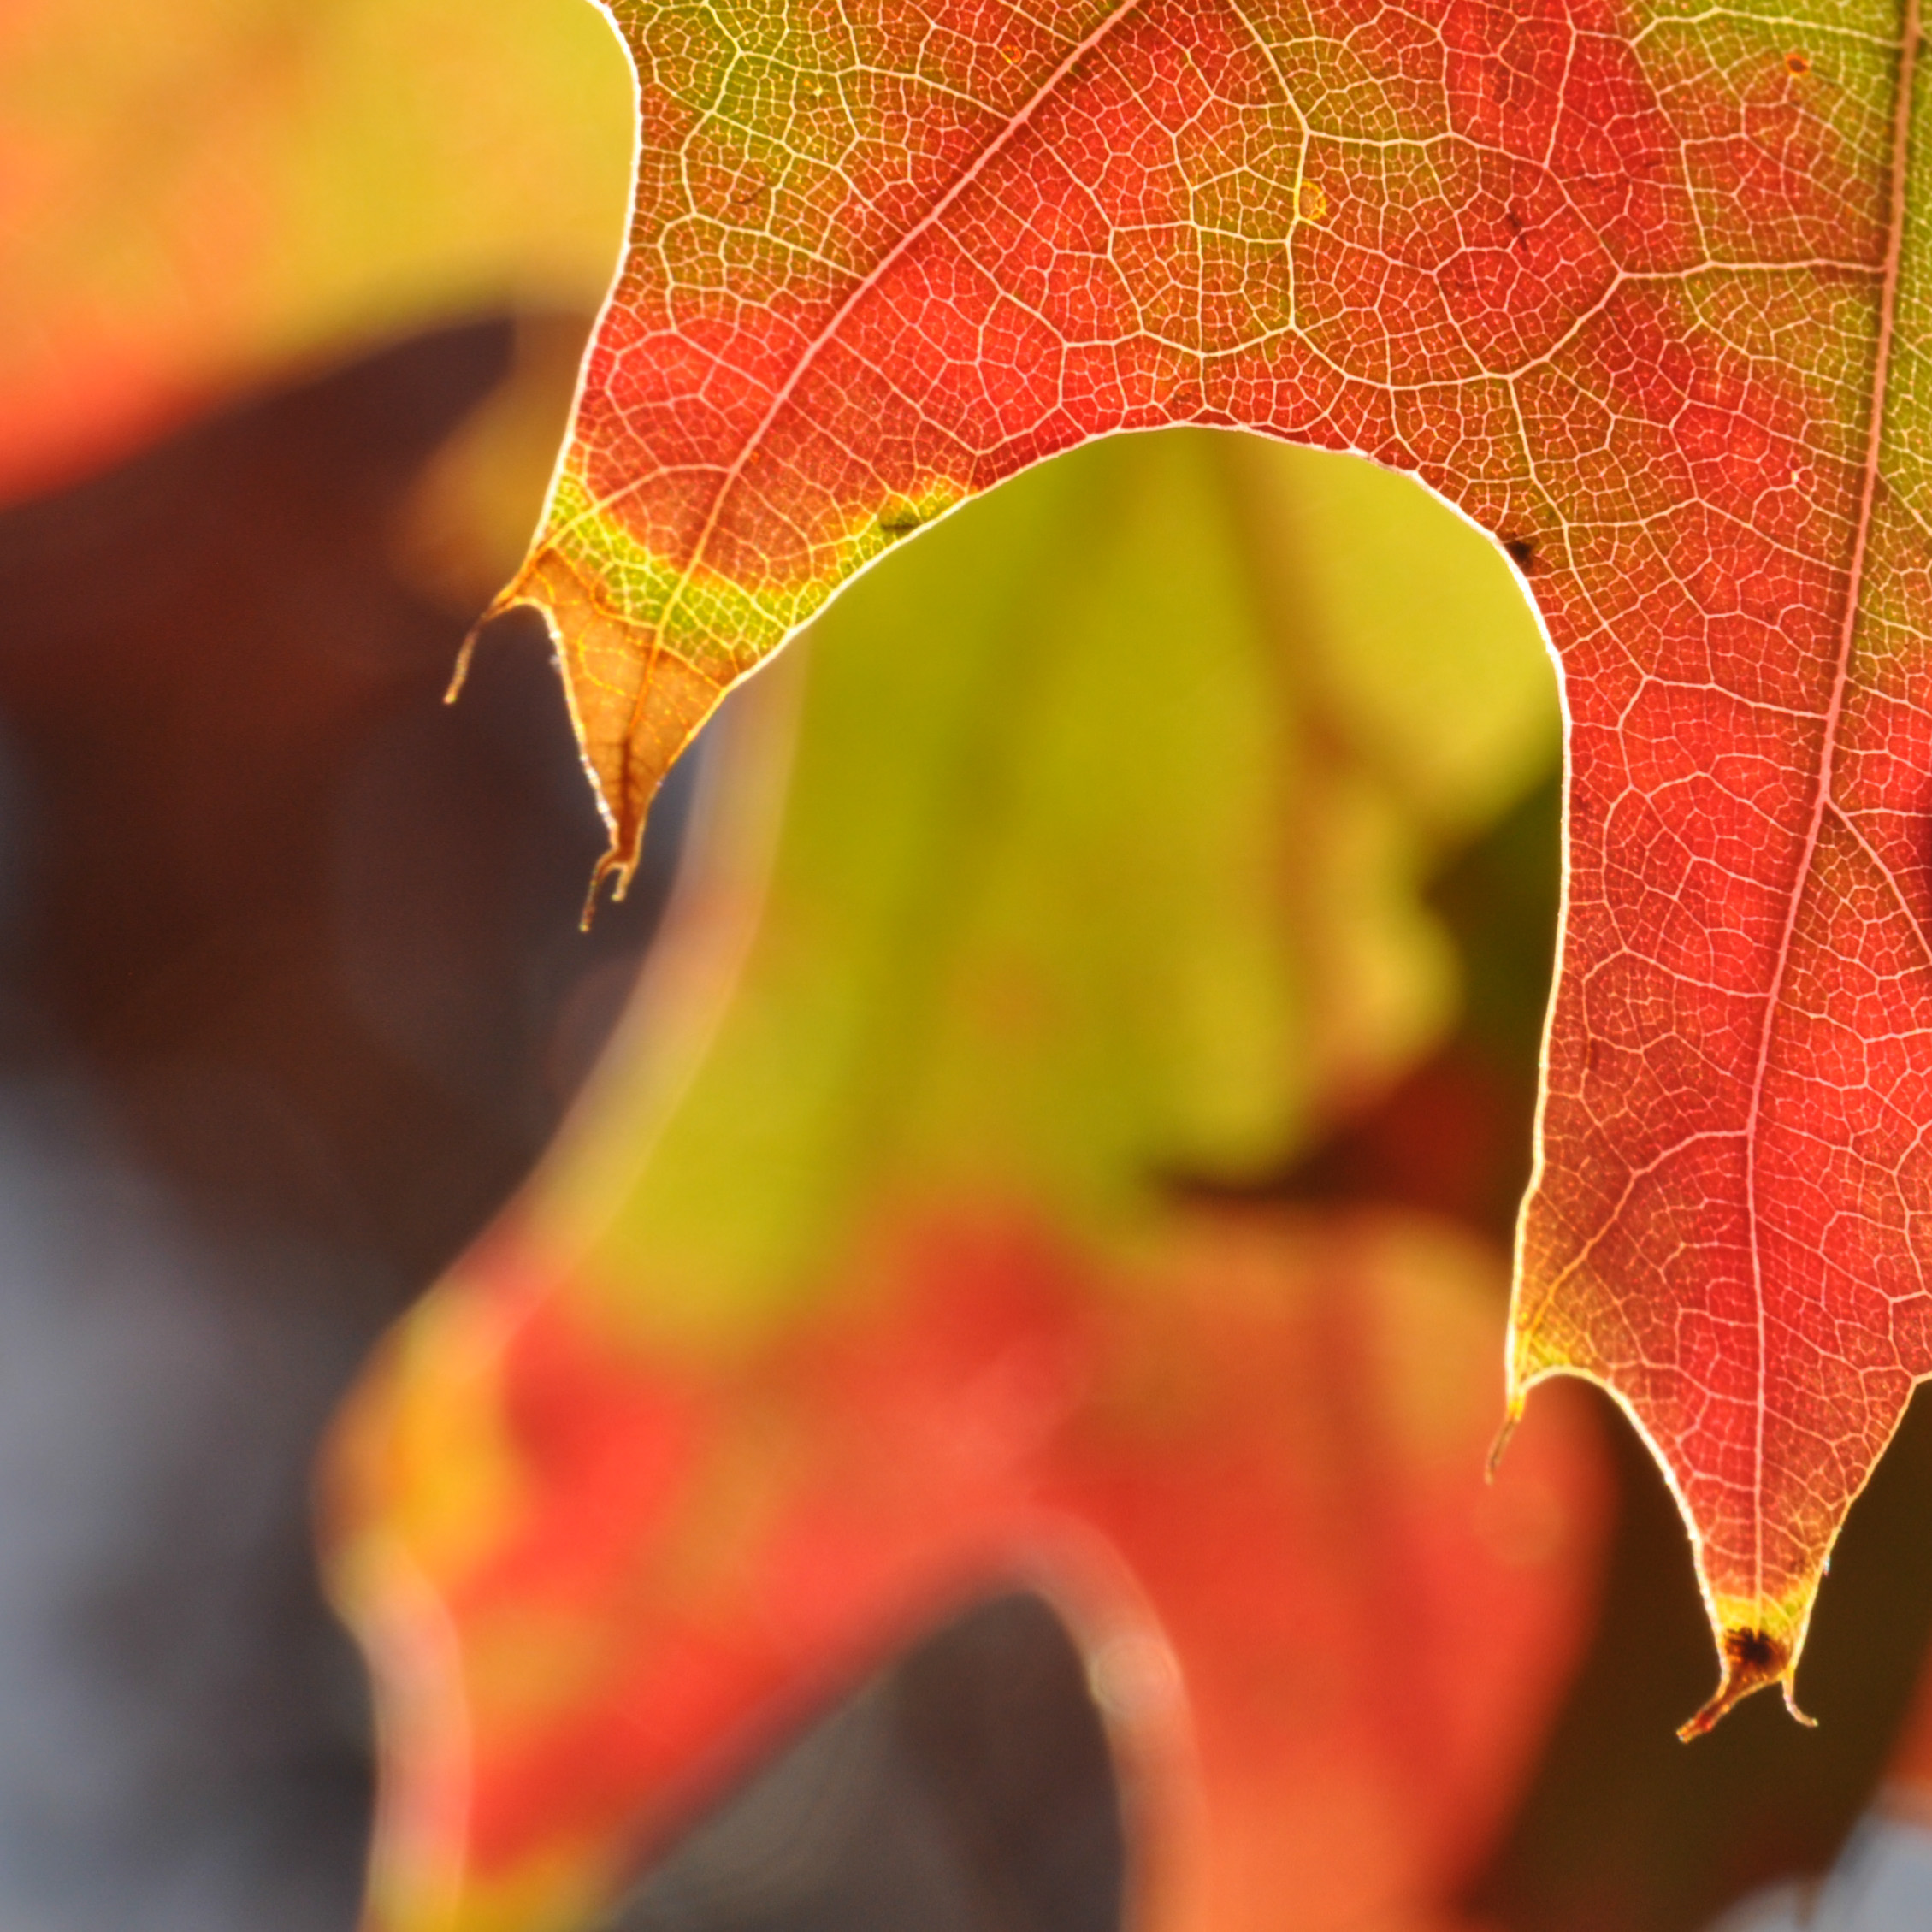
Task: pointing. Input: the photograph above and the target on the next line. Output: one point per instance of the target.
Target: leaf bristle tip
(1754, 1660)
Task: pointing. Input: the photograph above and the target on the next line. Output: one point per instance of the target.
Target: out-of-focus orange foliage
(196, 195)
(1249, 1471)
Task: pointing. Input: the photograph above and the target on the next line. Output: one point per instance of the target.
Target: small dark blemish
(1798, 62)
(1753, 1650)
(1522, 552)
(900, 522)
(1516, 224)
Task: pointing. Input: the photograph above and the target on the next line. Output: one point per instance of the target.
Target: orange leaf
(1642, 294)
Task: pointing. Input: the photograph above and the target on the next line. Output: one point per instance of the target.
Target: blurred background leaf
(198, 197)
(873, 1290)
(1103, 857)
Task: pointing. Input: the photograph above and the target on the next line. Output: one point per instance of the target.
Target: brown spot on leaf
(1753, 1650)
(1753, 1660)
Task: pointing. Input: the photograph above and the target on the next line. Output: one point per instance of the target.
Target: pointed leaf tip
(619, 863)
(1753, 1660)
(459, 672)
(1511, 1416)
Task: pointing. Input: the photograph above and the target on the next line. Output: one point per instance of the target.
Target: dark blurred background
(292, 993)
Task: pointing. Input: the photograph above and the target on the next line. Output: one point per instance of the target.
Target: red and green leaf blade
(1641, 293)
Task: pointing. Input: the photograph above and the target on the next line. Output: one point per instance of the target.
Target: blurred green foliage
(1103, 857)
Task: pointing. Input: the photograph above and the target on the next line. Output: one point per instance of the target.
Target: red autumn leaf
(1641, 294)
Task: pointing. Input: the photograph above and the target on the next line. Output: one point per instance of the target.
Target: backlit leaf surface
(857, 1294)
(1641, 289)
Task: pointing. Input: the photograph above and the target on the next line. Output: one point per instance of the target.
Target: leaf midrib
(1825, 778)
